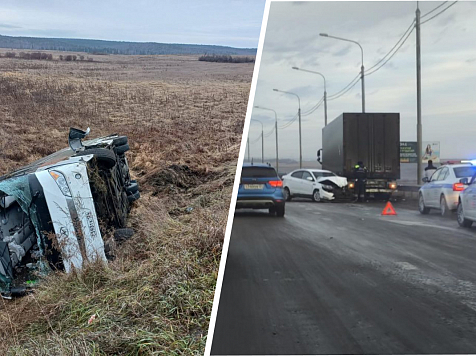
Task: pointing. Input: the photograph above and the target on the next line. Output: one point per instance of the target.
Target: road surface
(340, 278)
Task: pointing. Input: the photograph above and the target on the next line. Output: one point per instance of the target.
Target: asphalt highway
(334, 278)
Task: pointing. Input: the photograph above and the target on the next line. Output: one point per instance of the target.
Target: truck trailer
(374, 139)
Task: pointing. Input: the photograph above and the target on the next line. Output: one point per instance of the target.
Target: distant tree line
(225, 59)
(46, 56)
(116, 47)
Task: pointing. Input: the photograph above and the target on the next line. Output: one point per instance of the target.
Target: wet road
(341, 278)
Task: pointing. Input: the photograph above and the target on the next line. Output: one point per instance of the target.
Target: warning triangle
(389, 210)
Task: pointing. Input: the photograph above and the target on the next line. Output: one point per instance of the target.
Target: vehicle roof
(312, 170)
(457, 165)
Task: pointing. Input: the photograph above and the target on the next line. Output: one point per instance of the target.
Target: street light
(262, 140)
(299, 114)
(276, 129)
(361, 68)
(325, 90)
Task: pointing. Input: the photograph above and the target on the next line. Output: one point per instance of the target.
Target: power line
(436, 8)
(349, 86)
(329, 97)
(396, 44)
(289, 123)
(314, 109)
(269, 133)
(439, 13)
(389, 58)
(345, 91)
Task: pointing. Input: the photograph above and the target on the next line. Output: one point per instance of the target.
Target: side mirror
(310, 179)
(425, 180)
(464, 181)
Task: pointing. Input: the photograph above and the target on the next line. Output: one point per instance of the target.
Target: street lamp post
(362, 75)
(325, 90)
(299, 114)
(248, 142)
(276, 129)
(262, 140)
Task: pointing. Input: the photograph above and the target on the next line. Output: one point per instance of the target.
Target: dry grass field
(184, 120)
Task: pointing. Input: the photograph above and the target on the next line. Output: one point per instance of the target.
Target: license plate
(254, 186)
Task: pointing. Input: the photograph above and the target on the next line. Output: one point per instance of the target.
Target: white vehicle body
(48, 208)
(467, 204)
(443, 189)
(74, 217)
(316, 184)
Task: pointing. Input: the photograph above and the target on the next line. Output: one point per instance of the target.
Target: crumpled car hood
(341, 182)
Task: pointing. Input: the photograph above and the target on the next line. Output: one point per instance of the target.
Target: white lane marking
(406, 265)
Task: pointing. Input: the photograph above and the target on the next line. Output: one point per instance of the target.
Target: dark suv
(260, 188)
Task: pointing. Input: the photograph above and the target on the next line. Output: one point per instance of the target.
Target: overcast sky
(235, 23)
(448, 47)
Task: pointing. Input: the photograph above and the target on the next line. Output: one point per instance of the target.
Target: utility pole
(418, 68)
(276, 129)
(300, 141)
(262, 145)
(248, 142)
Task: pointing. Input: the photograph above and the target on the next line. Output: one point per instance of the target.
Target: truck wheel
(103, 156)
(287, 194)
(316, 196)
(280, 211)
(460, 217)
(421, 205)
(445, 211)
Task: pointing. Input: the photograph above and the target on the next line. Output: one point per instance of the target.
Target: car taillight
(458, 187)
(276, 183)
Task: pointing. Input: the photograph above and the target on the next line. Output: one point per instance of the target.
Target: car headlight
(61, 182)
(327, 187)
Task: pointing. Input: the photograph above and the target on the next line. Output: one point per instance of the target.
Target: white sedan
(443, 189)
(467, 203)
(316, 184)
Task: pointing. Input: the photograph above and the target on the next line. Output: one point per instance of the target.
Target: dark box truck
(374, 139)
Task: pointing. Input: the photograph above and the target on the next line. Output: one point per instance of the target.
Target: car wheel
(120, 150)
(133, 197)
(132, 188)
(421, 205)
(280, 211)
(445, 211)
(104, 156)
(287, 194)
(316, 196)
(460, 217)
(272, 211)
(119, 141)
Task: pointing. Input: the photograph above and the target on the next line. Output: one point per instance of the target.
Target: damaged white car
(316, 184)
(53, 212)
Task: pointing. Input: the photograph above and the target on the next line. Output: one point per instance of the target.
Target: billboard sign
(430, 150)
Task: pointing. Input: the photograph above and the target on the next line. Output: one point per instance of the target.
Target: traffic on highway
(353, 235)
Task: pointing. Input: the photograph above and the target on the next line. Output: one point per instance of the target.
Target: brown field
(184, 120)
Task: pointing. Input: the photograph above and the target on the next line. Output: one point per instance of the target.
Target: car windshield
(323, 174)
(462, 172)
(258, 172)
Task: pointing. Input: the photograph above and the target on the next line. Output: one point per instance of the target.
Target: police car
(442, 190)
